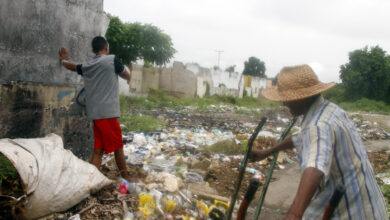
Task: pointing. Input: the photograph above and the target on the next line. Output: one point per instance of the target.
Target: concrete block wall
(178, 81)
(38, 95)
(150, 79)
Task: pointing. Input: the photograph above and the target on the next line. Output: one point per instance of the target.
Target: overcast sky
(279, 32)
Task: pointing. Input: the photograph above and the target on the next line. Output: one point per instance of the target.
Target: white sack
(53, 178)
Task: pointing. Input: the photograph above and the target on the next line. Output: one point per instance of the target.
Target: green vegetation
(228, 147)
(7, 170)
(10, 183)
(367, 75)
(254, 67)
(157, 98)
(365, 82)
(133, 41)
(386, 194)
(135, 122)
(338, 95)
(231, 69)
(366, 105)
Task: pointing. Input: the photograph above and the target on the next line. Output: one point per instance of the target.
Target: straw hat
(294, 83)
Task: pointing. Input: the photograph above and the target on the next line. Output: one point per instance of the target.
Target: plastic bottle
(123, 185)
(128, 216)
(128, 187)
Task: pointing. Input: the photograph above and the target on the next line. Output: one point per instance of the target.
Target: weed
(134, 122)
(158, 99)
(366, 105)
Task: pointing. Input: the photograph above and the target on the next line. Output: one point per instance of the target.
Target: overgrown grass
(366, 105)
(227, 147)
(386, 194)
(135, 122)
(157, 98)
(338, 95)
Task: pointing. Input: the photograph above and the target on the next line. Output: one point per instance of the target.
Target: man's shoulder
(325, 114)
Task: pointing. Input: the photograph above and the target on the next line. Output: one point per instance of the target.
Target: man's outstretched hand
(63, 54)
(257, 155)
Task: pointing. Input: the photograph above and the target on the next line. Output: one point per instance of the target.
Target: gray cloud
(279, 32)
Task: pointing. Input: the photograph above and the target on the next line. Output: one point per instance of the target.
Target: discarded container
(128, 216)
(75, 217)
(170, 206)
(128, 187)
(252, 171)
(123, 188)
(192, 177)
(146, 205)
(139, 139)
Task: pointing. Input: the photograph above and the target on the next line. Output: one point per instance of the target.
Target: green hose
(269, 174)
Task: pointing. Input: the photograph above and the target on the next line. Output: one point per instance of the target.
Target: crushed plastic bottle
(252, 171)
(75, 217)
(193, 177)
(128, 216)
(123, 186)
(128, 187)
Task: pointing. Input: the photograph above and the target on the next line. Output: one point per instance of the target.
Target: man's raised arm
(65, 60)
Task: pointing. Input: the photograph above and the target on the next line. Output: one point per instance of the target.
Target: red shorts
(107, 134)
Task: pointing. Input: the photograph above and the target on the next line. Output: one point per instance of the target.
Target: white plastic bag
(53, 178)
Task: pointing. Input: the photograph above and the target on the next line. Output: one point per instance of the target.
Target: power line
(219, 56)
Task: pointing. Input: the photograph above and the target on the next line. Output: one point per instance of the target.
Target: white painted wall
(257, 85)
(230, 80)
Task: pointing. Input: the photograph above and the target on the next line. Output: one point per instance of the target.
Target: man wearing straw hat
(330, 151)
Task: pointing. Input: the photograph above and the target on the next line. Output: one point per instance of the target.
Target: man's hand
(63, 54)
(127, 73)
(129, 79)
(257, 155)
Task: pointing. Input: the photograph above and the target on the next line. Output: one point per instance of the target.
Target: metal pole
(219, 55)
(269, 174)
(243, 165)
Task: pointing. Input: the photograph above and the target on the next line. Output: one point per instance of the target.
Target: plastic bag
(53, 179)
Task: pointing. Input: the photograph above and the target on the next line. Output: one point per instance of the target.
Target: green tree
(231, 69)
(254, 67)
(367, 74)
(133, 41)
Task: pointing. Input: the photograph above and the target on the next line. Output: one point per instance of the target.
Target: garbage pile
(369, 130)
(216, 117)
(179, 179)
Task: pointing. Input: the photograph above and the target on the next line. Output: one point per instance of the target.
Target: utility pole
(219, 55)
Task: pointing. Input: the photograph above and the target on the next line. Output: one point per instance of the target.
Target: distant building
(192, 80)
(252, 85)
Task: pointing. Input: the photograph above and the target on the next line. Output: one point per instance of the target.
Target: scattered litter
(75, 217)
(192, 177)
(385, 177)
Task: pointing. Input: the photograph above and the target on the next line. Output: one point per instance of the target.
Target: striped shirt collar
(308, 115)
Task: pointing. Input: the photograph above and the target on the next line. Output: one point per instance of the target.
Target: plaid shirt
(329, 141)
